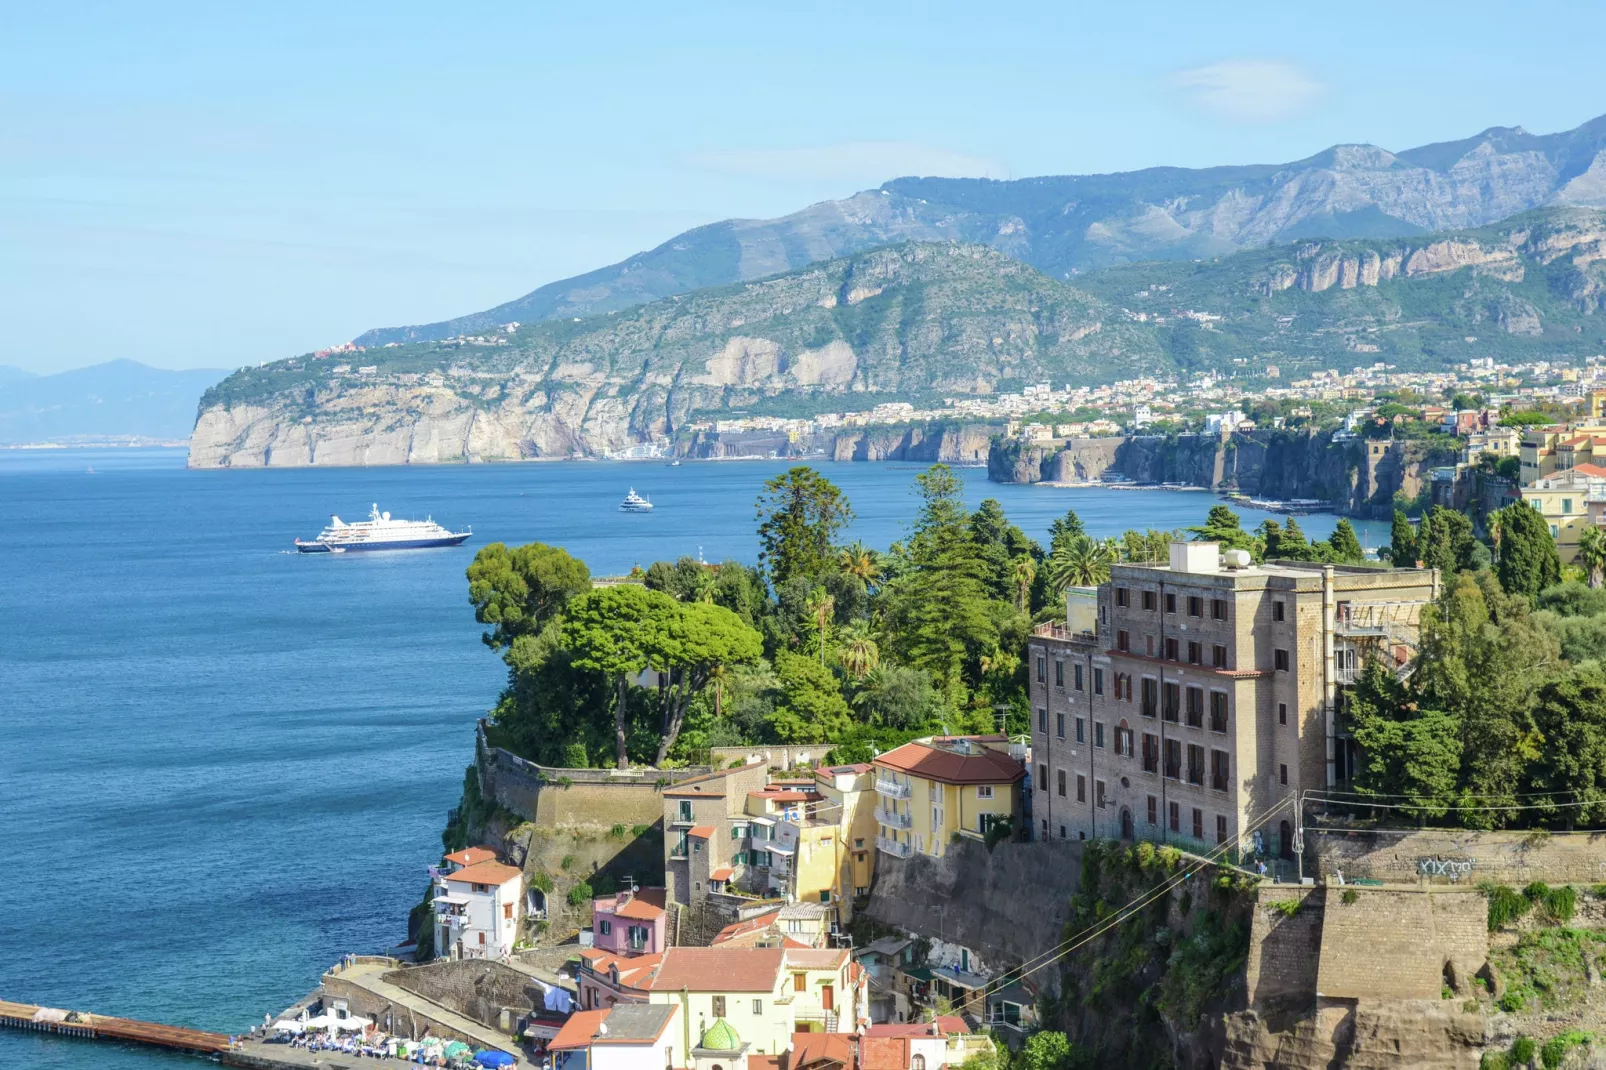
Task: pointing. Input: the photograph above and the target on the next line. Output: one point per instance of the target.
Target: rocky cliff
(1356, 477)
(1066, 224)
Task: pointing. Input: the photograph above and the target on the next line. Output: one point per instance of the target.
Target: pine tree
(1402, 542)
(1344, 547)
(1528, 559)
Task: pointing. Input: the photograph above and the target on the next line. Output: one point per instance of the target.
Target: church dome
(721, 1037)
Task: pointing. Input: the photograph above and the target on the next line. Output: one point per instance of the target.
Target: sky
(221, 184)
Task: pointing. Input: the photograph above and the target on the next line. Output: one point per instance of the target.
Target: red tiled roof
(469, 856)
(763, 1062)
(818, 958)
(702, 832)
(792, 942)
(812, 1049)
(578, 1030)
(646, 905)
(883, 1053)
(744, 928)
(486, 873)
(723, 873)
(1590, 469)
(948, 767)
(633, 972)
(718, 969)
(947, 1024)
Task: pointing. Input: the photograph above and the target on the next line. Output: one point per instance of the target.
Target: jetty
(100, 1027)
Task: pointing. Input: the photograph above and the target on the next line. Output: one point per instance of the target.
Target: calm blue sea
(223, 765)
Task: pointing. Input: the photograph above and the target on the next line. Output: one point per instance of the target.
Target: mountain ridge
(116, 399)
(1064, 225)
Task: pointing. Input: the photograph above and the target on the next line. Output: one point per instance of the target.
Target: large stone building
(1181, 702)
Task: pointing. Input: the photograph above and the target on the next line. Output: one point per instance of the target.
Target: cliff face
(966, 444)
(1359, 477)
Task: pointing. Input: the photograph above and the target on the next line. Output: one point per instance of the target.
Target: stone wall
(473, 988)
(773, 755)
(1357, 1035)
(1284, 951)
(1006, 905)
(1514, 858)
(1401, 943)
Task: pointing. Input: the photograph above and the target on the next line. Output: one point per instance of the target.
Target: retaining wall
(1401, 943)
(1284, 951)
(1514, 858)
(476, 989)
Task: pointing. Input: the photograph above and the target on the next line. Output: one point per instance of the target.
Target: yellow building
(1570, 501)
(1503, 442)
(848, 793)
(1557, 447)
(932, 790)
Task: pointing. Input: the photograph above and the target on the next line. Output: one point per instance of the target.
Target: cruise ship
(380, 532)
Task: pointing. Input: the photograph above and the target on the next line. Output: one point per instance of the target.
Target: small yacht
(635, 503)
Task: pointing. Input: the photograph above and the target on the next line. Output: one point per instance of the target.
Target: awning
(454, 900)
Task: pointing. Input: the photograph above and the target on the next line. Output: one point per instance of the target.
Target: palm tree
(1025, 576)
(821, 606)
(858, 653)
(1592, 554)
(719, 678)
(1081, 561)
(859, 560)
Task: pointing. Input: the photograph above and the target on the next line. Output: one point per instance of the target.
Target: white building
(478, 907)
(628, 1036)
(1223, 423)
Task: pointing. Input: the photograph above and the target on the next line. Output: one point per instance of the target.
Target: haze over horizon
(203, 188)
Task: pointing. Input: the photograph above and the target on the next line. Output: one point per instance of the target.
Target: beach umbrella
(456, 1050)
(493, 1058)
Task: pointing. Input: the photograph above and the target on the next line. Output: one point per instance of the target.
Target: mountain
(1068, 224)
(917, 321)
(118, 399)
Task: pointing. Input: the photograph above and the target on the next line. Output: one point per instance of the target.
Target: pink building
(630, 923)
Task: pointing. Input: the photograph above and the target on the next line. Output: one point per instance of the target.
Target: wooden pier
(99, 1027)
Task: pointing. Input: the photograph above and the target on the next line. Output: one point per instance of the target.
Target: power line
(1457, 808)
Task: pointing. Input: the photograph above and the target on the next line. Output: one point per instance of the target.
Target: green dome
(721, 1037)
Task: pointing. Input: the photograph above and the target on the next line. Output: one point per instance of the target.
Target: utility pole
(1299, 836)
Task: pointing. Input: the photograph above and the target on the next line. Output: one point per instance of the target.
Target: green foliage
(1528, 560)
(567, 863)
(1350, 897)
(543, 882)
(811, 708)
(580, 894)
(1344, 547)
(1526, 418)
(1224, 526)
(519, 591)
(1286, 907)
(617, 831)
(1445, 540)
(1494, 1060)
(799, 514)
(1522, 1050)
(1505, 905)
(1555, 1050)
(1047, 1050)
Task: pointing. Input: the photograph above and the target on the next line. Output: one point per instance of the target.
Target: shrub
(618, 832)
(580, 894)
(640, 830)
(1514, 1000)
(1522, 1050)
(1560, 903)
(1287, 907)
(1554, 1051)
(1536, 892)
(1350, 897)
(543, 881)
(1505, 905)
(1494, 1060)
(567, 863)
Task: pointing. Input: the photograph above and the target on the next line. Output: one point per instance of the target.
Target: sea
(223, 764)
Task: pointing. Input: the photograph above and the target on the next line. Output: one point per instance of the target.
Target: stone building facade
(1204, 692)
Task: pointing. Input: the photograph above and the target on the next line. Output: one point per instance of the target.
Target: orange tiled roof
(723, 873)
(469, 856)
(986, 766)
(702, 832)
(646, 905)
(737, 930)
(578, 1030)
(486, 873)
(883, 1053)
(823, 1048)
(718, 969)
(946, 1024)
(818, 958)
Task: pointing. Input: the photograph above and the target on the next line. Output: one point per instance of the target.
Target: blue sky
(211, 186)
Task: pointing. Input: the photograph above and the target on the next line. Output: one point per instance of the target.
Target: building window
(1154, 810)
(1151, 753)
(1173, 812)
(800, 983)
(719, 1005)
(1196, 764)
(1278, 609)
(1059, 674)
(1098, 681)
(1098, 734)
(1171, 648)
(1198, 823)
(1151, 695)
(1279, 660)
(1195, 707)
(1218, 656)
(685, 810)
(1554, 531)
(1059, 725)
(758, 1007)
(1076, 676)
(1282, 774)
(1042, 778)
(1170, 602)
(1193, 653)
(1195, 606)
(1042, 719)
(1218, 609)
(1060, 774)
(605, 928)
(1062, 832)
(1173, 759)
(1221, 828)
(1041, 672)
(1098, 794)
(1219, 771)
(1282, 713)
(1081, 788)
(1123, 597)
(984, 791)
(507, 911)
(1045, 836)
(1173, 696)
(1218, 711)
(1123, 742)
(1148, 600)
(1123, 640)
(1566, 506)
(1081, 730)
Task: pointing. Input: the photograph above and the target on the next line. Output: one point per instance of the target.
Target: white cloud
(1249, 90)
(865, 162)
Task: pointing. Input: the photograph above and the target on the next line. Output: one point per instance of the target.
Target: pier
(99, 1027)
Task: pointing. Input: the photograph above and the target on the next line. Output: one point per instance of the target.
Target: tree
(1224, 526)
(1293, 546)
(1044, 1051)
(1445, 540)
(896, 696)
(1570, 717)
(1528, 559)
(1402, 542)
(822, 608)
(685, 580)
(859, 560)
(1271, 538)
(1024, 572)
(1344, 547)
(685, 643)
(811, 708)
(520, 590)
(1592, 554)
(1411, 753)
(799, 513)
(605, 631)
(858, 653)
(1080, 561)
(1066, 527)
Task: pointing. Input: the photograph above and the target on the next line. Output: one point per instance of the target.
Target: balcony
(892, 789)
(892, 847)
(893, 819)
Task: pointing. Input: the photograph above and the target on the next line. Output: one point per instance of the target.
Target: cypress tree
(1346, 548)
(1402, 542)
(1528, 559)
